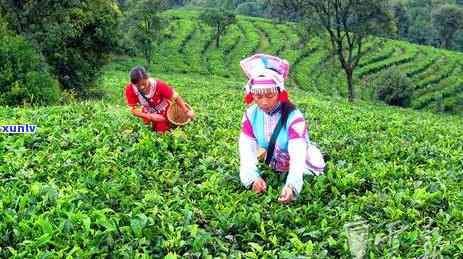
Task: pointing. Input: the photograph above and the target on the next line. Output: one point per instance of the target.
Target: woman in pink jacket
(275, 129)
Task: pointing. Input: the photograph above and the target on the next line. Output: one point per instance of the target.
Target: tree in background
(76, 37)
(421, 29)
(447, 21)
(219, 19)
(347, 24)
(145, 24)
(24, 76)
(252, 8)
(413, 18)
(402, 18)
(284, 10)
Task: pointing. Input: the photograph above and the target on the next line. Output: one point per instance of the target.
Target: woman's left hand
(286, 195)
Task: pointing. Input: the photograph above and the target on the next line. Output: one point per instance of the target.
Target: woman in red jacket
(154, 96)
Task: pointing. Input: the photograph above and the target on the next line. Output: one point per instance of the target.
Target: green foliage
(123, 4)
(76, 37)
(447, 20)
(428, 22)
(24, 75)
(408, 55)
(393, 87)
(164, 58)
(144, 24)
(248, 46)
(95, 182)
(253, 8)
(304, 31)
(3, 27)
(402, 18)
(216, 57)
(421, 30)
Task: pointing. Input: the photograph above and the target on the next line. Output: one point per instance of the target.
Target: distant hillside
(189, 49)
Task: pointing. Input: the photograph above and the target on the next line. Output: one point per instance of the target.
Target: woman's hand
(138, 113)
(157, 117)
(286, 195)
(133, 110)
(148, 116)
(259, 185)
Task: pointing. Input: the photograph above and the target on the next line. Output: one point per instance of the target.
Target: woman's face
(143, 84)
(266, 102)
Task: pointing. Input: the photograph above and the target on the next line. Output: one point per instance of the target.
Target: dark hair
(137, 74)
(286, 109)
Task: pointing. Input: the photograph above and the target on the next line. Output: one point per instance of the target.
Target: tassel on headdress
(283, 96)
(248, 98)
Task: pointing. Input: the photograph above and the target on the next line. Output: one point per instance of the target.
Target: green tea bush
(419, 67)
(438, 97)
(24, 76)
(373, 57)
(440, 87)
(220, 58)
(290, 52)
(167, 56)
(406, 55)
(275, 38)
(393, 87)
(282, 31)
(96, 182)
(252, 40)
(440, 73)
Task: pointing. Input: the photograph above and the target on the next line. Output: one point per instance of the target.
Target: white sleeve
(297, 149)
(248, 160)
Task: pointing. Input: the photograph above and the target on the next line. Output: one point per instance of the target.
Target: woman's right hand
(259, 185)
(133, 110)
(157, 118)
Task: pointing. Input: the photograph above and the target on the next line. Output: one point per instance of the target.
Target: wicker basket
(176, 116)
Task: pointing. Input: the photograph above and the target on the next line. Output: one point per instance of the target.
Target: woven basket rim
(174, 122)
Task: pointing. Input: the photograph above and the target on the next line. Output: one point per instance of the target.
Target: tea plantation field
(189, 48)
(95, 182)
